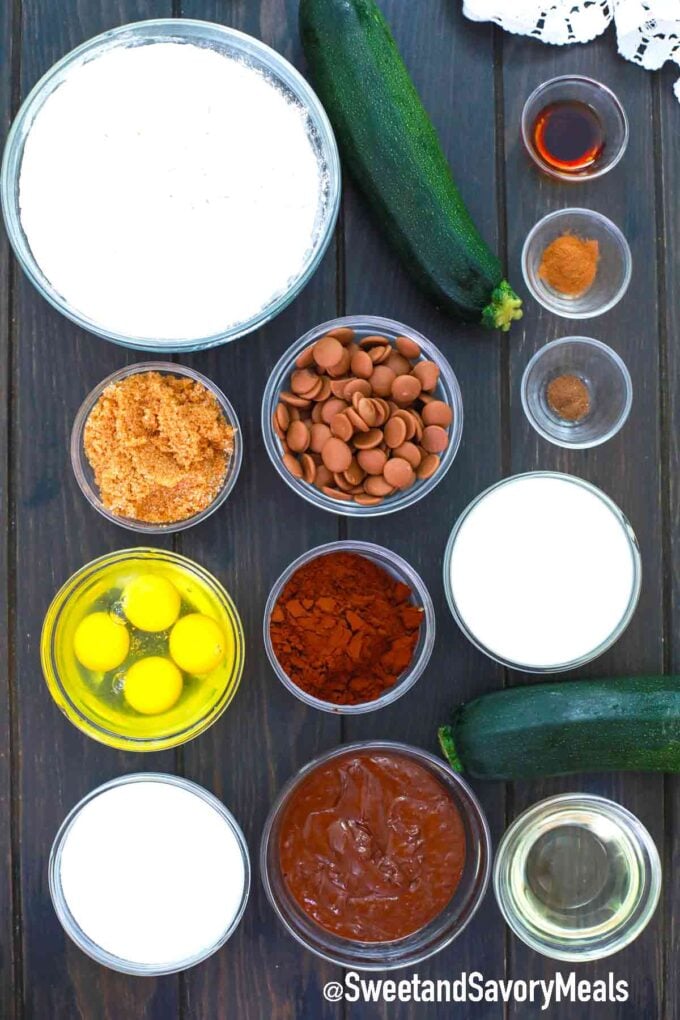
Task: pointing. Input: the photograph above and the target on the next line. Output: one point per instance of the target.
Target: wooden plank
(10, 959)
(57, 532)
(447, 57)
(266, 735)
(667, 156)
(627, 467)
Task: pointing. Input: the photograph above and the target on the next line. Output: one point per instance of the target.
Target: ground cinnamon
(343, 629)
(569, 264)
(569, 397)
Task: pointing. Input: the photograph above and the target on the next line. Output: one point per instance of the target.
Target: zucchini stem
(448, 746)
(503, 308)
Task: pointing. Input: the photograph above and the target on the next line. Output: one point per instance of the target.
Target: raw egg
(152, 685)
(151, 602)
(101, 642)
(197, 643)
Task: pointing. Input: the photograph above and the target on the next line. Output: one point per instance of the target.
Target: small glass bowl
(636, 585)
(85, 475)
(71, 926)
(61, 685)
(612, 924)
(609, 385)
(223, 40)
(405, 952)
(612, 116)
(447, 390)
(614, 267)
(401, 571)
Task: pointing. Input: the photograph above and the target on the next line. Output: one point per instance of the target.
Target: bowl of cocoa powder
(156, 447)
(349, 627)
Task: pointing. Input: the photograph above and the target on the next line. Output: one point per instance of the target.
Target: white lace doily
(647, 31)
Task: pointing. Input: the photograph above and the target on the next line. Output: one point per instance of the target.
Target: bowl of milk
(542, 572)
(170, 185)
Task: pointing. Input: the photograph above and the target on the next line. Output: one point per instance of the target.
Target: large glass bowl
(71, 926)
(435, 936)
(447, 390)
(227, 41)
(75, 697)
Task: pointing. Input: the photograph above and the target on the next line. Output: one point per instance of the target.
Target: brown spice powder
(569, 264)
(569, 397)
(159, 446)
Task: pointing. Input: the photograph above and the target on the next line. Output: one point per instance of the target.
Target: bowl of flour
(170, 185)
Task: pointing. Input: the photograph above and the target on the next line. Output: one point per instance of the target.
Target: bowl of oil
(142, 649)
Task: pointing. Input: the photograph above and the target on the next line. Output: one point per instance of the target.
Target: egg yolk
(197, 643)
(101, 642)
(152, 685)
(151, 603)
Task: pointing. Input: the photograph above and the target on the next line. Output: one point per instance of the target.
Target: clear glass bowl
(399, 569)
(405, 952)
(62, 686)
(606, 377)
(85, 475)
(578, 88)
(614, 884)
(202, 33)
(447, 390)
(70, 925)
(635, 587)
(614, 267)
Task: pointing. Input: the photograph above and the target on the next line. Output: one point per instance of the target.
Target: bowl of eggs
(142, 649)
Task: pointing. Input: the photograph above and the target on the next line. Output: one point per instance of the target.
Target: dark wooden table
(473, 81)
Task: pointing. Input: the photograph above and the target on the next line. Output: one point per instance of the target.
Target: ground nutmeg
(343, 629)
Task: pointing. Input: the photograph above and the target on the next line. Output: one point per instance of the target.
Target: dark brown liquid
(568, 136)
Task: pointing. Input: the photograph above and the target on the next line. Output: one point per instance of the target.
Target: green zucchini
(627, 723)
(392, 150)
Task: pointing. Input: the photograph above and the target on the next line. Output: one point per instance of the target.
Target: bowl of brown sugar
(156, 447)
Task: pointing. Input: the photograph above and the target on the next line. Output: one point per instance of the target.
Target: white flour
(541, 571)
(152, 873)
(168, 191)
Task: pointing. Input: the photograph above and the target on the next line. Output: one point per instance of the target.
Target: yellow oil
(95, 701)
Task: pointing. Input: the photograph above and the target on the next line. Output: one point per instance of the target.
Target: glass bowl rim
(406, 573)
(445, 775)
(617, 105)
(71, 926)
(543, 297)
(616, 811)
(184, 29)
(420, 489)
(78, 457)
(616, 360)
(60, 693)
(635, 557)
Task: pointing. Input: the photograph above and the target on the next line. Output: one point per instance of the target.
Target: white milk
(152, 873)
(542, 571)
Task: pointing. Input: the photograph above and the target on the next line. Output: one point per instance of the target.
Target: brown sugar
(569, 264)
(569, 397)
(159, 446)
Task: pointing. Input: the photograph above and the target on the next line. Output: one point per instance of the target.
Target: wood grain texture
(56, 533)
(627, 467)
(667, 156)
(267, 734)
(9, 959)
(473, 81)
(376, 284)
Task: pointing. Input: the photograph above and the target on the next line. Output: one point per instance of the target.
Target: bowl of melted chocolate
(375, 855)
